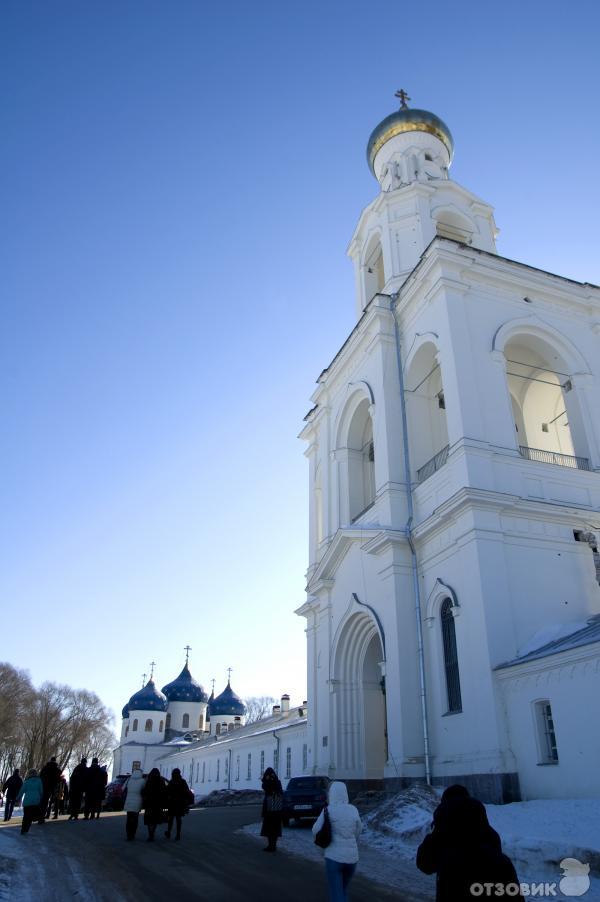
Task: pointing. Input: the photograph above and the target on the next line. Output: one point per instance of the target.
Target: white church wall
(570, 682)
(195, 711)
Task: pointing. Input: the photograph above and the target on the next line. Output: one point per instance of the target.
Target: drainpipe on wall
(413, 550)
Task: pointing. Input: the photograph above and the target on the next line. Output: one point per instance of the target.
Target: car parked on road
(304, 797)
(115, 793)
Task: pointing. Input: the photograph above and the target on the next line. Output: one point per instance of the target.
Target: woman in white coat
(133, 802)
(341, 855)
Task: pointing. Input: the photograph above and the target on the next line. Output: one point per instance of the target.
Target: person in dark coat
(49, 776)
(95, 788)
(59, 798)
(271, 809)
(77, 786)
(11, 787)
(154, 795)
(179, 799)
(463, 849)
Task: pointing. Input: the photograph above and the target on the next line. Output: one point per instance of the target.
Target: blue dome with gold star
(227, 703)
(408, 120)
(185, 689)
(149, 698)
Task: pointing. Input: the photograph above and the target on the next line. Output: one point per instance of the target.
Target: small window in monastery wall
(201, 722)
(148, 726)
(135, 726)
(185, 721)
(262, 763)
(276, 761)
(160, 726)
(237, 767)
(546, 735)
(168, 721)
(288, 762)
(218, 729)
(218, 769)
(203, 771)
(249, 772)
(304, 756)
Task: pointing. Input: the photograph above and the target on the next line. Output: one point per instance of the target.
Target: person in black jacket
(154, 795)
(96, 779)
(49, 775)
(11, 787)
(77, 787)
(463, 849)
(179, 799)
(271, 809)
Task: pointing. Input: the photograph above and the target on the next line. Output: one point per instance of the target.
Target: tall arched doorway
(360, 715)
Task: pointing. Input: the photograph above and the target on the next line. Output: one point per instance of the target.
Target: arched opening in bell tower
(426, 412)
(373, 269)
(360, 709)
(545, 405)
(361, 461)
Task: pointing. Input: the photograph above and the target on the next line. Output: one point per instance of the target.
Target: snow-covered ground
(537, 835)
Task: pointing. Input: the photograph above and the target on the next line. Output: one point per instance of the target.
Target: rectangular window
(276, 761)
(218, 769)
(203, 771)
(226, 767)
(249, 772)
(304, 756)
(546, 734)
(288, 762)
(262, 763)
(237, 767)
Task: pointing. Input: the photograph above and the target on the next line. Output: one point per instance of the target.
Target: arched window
(160, 726)
(185, 721)
(126, 730)
(374, 275)
(201, 722)
(218, 729)
(450, 657)
(135, 726)
(229, 727)
(168, 724)
(148, 726)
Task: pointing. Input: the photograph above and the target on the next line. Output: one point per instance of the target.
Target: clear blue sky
(179, 183)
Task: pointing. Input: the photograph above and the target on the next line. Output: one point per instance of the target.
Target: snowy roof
(278, 722)
(583, 634)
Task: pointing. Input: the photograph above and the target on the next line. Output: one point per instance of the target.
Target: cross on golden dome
(403, 98)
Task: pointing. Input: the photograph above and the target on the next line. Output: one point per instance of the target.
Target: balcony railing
(553, 457)
(432, 465)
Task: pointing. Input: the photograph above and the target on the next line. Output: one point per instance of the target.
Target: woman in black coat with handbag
(154, 795)
(179, 799)
(271, 809)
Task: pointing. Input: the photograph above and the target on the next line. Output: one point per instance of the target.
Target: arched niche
(452, 223)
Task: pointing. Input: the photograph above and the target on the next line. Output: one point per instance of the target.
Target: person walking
(154, 795)
(49, 775)
(133, 802)
(271, 809)
(77, 787)
(463, 849)
(341, 855)
(58, 800)
(11, 787)
(179, 799)
(94, 790)
(32, 794)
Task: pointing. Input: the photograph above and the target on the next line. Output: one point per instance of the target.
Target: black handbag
(323, 836)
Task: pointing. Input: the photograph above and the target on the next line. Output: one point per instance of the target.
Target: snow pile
(220, 797)
(401, 822)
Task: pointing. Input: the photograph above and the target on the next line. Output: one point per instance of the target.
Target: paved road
(90, 861)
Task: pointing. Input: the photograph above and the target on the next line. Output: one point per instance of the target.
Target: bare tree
(53, 720)
(258, 707)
